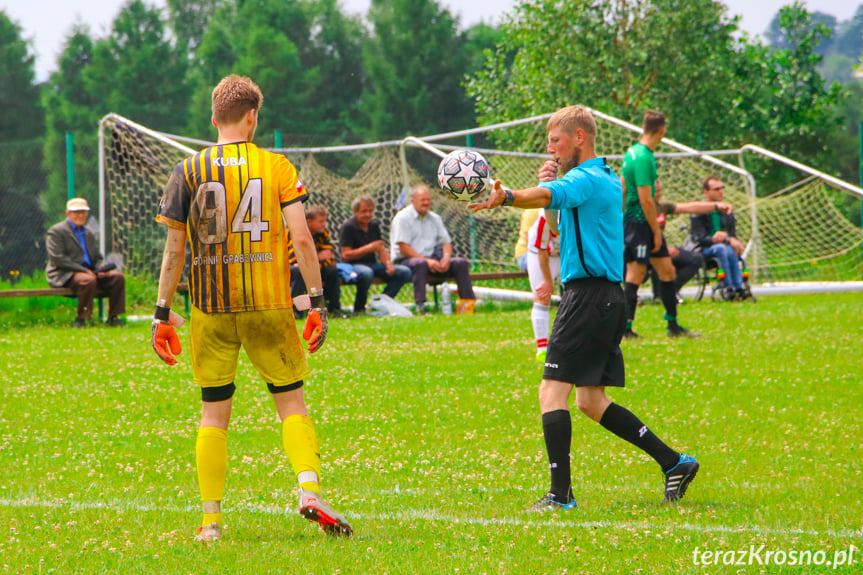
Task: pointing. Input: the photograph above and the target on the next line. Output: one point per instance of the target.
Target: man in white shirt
(419, 240)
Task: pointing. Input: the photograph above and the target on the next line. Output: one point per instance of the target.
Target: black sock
(630, 294)
(624, 424)
(669, 300)
(557, 429)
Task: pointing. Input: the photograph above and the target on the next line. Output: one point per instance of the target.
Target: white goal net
(802, 232)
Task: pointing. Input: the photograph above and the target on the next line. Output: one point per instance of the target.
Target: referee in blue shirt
(584, 347)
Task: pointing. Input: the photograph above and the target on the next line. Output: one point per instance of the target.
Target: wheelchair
(712, 275)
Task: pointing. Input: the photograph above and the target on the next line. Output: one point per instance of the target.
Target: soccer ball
(465, 175)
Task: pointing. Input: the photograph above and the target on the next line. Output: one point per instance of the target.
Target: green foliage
(777, 33)
(849, 39)
(718, 87)
(432, 446)
(795, 116)
(71, 107)
(189, 20)
(304, 54)
(618, 57)
(416, 62)
(21, 175)
(135, 71)
(21, 116)
(22, 227)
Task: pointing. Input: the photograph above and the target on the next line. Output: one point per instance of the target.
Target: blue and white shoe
(549, 502)
(678, 478)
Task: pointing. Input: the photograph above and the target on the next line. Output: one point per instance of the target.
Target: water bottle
(446, 300)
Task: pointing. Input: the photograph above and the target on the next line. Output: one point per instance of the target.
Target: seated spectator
(363, 247)
(74, 261)
(543, 267)
(715, 234)
(419, 240)
(686, 262)
(316, 218)
(528, 217)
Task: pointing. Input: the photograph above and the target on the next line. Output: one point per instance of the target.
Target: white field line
(431, 515)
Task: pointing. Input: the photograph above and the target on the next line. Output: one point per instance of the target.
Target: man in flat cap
(74, 261)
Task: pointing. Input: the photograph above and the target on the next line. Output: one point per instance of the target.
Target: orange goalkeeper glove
(165, 340)
(317, 324)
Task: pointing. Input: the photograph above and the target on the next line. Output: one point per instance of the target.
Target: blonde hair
(234, 97)
(572, 118)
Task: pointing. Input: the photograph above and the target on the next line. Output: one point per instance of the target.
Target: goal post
(805, 232)
(135, 163)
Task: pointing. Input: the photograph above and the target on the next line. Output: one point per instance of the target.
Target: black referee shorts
(638, 241)
(584, 347)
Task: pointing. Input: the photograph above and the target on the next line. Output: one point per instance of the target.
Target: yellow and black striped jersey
(322, 242)
(229, 198)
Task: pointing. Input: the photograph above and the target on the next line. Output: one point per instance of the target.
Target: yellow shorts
(269, 337)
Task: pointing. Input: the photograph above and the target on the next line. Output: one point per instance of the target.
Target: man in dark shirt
(715, 234)
(316, 218)
(686, 262)
(360, 241)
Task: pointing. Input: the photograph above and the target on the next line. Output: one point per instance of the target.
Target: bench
(182, 288)
(37, 292)
(474, 277)
(435, 281)
(56, 292)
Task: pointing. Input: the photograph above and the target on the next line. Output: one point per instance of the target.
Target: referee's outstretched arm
(526, 198)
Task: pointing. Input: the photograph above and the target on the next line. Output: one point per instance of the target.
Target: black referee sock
(669, 299)
(624, 424)
(557, 429)
(630, 293)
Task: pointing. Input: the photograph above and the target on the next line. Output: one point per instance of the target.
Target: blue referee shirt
(590, 201)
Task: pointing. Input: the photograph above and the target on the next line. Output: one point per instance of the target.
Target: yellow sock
(211, 456)
(301, 446)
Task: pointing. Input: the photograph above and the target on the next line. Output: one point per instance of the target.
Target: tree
(620, 57)
(480, 40)
(135, 71)
(20, 113)
(138, 71)
(304, 54)
(838, 68)
(849, 37)
(797, 115)
(337, 58)
(21, 176)
(416, 64)
(189, 20)
(687, 59)
(70, 108)
(776, 32)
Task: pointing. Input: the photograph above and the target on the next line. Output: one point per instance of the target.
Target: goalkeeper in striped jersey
(229, 202)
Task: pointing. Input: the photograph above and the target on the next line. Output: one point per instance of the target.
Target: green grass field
(432, 447)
